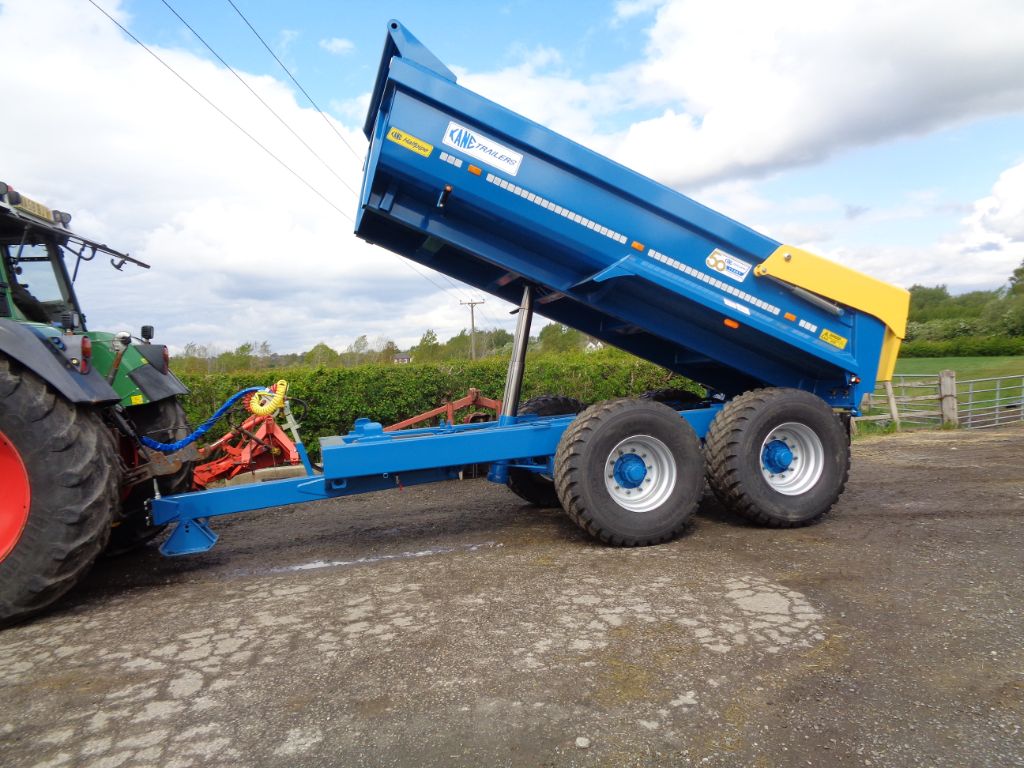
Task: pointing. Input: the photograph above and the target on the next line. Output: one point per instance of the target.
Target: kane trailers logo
(481, 148)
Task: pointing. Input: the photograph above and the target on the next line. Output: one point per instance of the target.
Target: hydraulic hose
(203, 428)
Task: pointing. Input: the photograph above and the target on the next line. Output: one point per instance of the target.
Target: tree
(926, 303)
(1017, 280)
(428, 350)
(557, 339)
(387, 353)
(322, 355)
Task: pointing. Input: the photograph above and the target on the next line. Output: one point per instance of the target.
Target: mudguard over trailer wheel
(60, 477)
(164, 421)
(778, 456)
(630, 472)
(533, 487)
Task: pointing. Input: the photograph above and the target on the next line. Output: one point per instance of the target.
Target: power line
(297, 84)
(252, 138)
(222, 113)
(259, 98)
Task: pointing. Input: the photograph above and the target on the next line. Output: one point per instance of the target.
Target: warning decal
(833, 338)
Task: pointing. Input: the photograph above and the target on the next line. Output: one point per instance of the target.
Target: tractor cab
(34, 283)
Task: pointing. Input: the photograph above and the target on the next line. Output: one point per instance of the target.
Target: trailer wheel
(630, 472)
(164, 421)
(533, 487)
(780, 457)
(60, 484)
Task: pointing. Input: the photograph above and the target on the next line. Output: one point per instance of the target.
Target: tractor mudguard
(21, 343)
(151, 379)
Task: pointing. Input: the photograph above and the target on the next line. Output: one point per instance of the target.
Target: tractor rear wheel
(165, 422)
(534, 487)
(60, 487)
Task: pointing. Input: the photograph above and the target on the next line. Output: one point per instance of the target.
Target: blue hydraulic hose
(202, 429)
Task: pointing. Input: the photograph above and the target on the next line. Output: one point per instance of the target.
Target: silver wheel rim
(792, 458)
(635, 489)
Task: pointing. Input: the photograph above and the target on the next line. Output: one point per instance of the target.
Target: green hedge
(391, 393)
(966, 346)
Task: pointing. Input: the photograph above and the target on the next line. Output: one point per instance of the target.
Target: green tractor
(74, 476)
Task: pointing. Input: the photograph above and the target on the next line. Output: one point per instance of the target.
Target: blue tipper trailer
(786, 343)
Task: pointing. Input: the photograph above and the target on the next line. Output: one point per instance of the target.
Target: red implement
(257, 448)
(472, 399)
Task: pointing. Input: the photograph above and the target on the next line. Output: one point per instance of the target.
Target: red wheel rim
(15, 498)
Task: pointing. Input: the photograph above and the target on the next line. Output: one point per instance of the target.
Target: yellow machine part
(259, 405)
(813, 273)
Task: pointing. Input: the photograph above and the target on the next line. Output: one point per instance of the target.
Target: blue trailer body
(477, 192)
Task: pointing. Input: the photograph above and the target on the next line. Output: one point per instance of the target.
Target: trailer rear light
(730, 323)
(475, 170)
(637, 246)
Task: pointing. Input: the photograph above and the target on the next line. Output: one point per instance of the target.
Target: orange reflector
(473, 169)
(730, 323)
(790, 316)
(637, 246)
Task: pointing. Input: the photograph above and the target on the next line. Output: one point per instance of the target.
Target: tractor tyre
(61, 477)
(778, 456)
(533, 487)
(165, 422)
(630, 472)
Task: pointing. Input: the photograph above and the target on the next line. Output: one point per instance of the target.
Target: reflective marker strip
(533, 197)
(451, 159)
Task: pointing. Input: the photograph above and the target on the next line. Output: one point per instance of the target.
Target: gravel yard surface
(450, 625)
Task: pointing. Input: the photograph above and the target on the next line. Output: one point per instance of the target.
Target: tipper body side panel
(475, 191)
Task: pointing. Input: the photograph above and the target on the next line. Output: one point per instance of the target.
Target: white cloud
(726, 90)
(239, 248)
(990, 244)
(1002, 213)
(792, 83)
(628, 9)
(337, 45)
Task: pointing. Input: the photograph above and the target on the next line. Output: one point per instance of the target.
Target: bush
(940, 330)
(968, 346)
(336, 397)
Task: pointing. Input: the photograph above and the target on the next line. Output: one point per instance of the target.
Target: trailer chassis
(369, 459)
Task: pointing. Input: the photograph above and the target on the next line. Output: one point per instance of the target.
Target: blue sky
(888, 138)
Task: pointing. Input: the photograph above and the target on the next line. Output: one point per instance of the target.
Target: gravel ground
(450, 625)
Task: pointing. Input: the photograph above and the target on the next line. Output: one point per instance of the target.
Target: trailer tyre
(64, 476)
(164, 421)
(630, 472)
(535, 488)
(780, 457)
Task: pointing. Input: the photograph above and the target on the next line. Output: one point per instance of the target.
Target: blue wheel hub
(630, 471)
(776, 457)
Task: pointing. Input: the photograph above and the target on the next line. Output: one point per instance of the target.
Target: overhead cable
(259, 98)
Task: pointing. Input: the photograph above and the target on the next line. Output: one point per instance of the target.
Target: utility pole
(472, 326)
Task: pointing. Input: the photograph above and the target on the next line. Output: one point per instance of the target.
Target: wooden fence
(939, 400)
